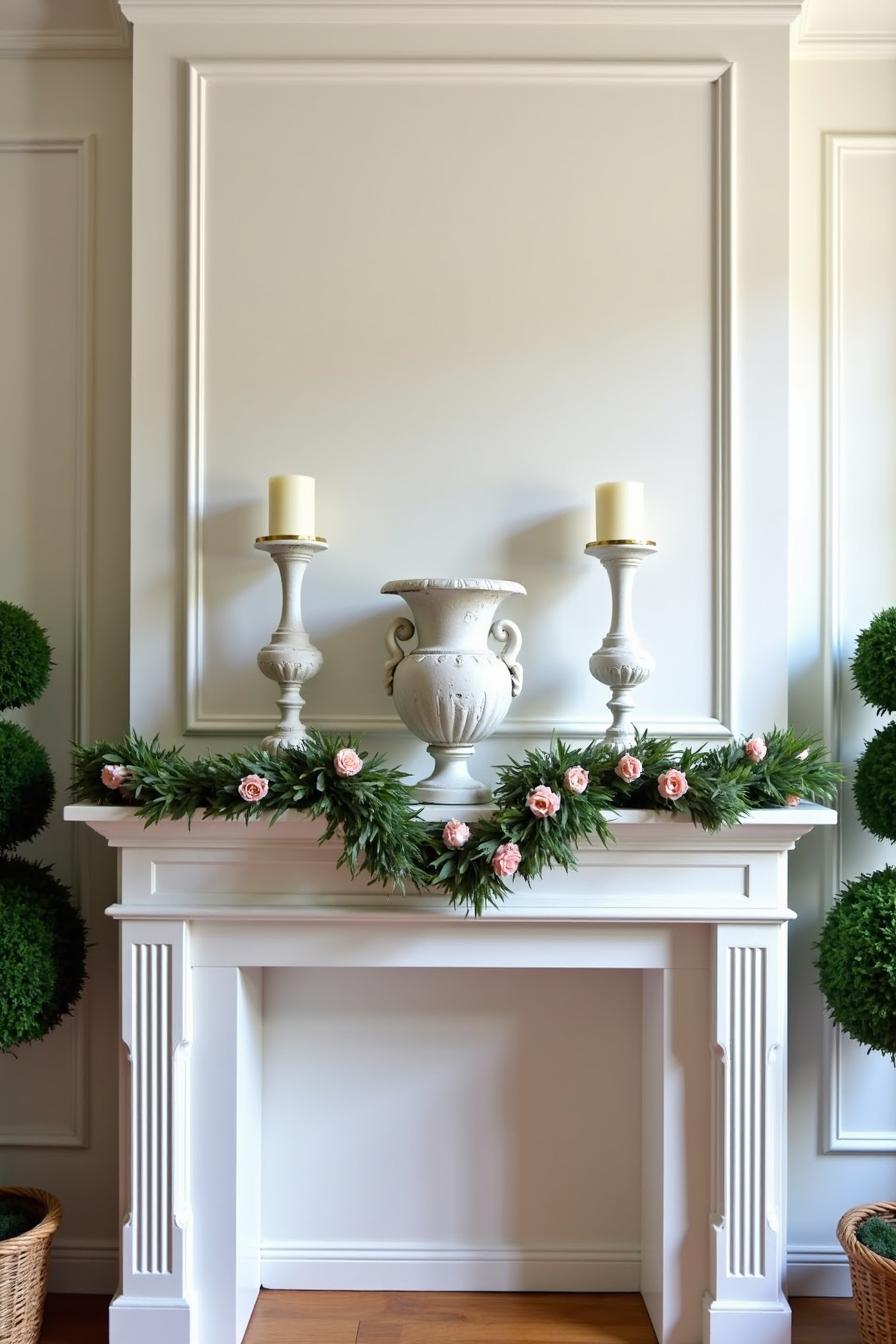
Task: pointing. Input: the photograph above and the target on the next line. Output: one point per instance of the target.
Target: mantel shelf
(781, 827)
(658, 868)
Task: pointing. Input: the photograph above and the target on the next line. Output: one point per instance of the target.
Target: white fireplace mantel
(204, 910)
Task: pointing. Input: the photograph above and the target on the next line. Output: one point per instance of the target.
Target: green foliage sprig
(372, 811)
(380, 825)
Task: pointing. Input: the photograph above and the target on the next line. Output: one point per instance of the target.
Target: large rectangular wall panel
(861, 411)
(458, 294)
(45, 380)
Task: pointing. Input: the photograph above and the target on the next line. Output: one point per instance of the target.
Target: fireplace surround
(203, 911)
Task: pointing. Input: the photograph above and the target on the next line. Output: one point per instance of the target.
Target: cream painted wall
(843, 569)
(64, 377)
(282, 338)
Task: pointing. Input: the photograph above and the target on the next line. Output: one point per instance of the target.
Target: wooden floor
(448, 1318)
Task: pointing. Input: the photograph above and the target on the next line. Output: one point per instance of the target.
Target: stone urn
(452, 690)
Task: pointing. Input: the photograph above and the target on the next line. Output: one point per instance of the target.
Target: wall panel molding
(75, 1136)
(718, 76)
(837, 149)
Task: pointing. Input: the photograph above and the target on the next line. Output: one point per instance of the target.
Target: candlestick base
(621, 662)
(290, 658)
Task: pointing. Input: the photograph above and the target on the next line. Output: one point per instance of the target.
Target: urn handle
(401, 628)
(508, 633)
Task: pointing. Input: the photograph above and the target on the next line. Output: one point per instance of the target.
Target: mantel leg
(226, 1168)
(745, 1303)
(154, 1301)
(675, 1140)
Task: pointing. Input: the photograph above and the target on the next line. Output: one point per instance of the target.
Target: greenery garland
(546, 804)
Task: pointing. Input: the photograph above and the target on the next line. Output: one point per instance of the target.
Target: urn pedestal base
(451, 782)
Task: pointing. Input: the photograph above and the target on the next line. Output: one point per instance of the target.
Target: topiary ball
(857, 960)
(26, 785)
(24, 657)
(874, 662)
(42, 952)
(874, 786)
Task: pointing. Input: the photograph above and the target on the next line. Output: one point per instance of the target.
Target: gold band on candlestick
(626, 541)
(290, 536)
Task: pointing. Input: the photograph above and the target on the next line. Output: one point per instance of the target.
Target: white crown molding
(113, 38)
(631, 13)
(857, 34)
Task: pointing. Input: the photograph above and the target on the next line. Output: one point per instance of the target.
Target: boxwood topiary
(874, 786)
(857, 960)
(27, 789)
(24, 657)
(17, 1216)
(42, 952)
(874, 662)
(879, 1236)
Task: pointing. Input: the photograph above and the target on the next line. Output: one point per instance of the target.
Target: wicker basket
(873, 1276)
(23, 1268)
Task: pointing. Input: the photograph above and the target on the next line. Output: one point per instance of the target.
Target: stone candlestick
(621, 662)
(290, 658)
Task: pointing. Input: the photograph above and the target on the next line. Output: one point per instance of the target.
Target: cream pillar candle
(291, 506)
(619, 511)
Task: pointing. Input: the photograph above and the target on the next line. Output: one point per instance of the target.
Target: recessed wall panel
(458, 297)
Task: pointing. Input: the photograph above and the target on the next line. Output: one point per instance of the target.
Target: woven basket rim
(41, 1231)
(855, 1250)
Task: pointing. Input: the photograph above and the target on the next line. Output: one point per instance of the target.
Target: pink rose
(755, 749)
(114, 776)
(672, 784)
(455, 833)
(792, 800)
(803, 755)
(506, 860)
(628, 768)
(542, 801)
(252, 788)
(347, 763)
(576, 779)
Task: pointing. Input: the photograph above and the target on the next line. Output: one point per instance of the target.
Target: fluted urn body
(452, 690)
